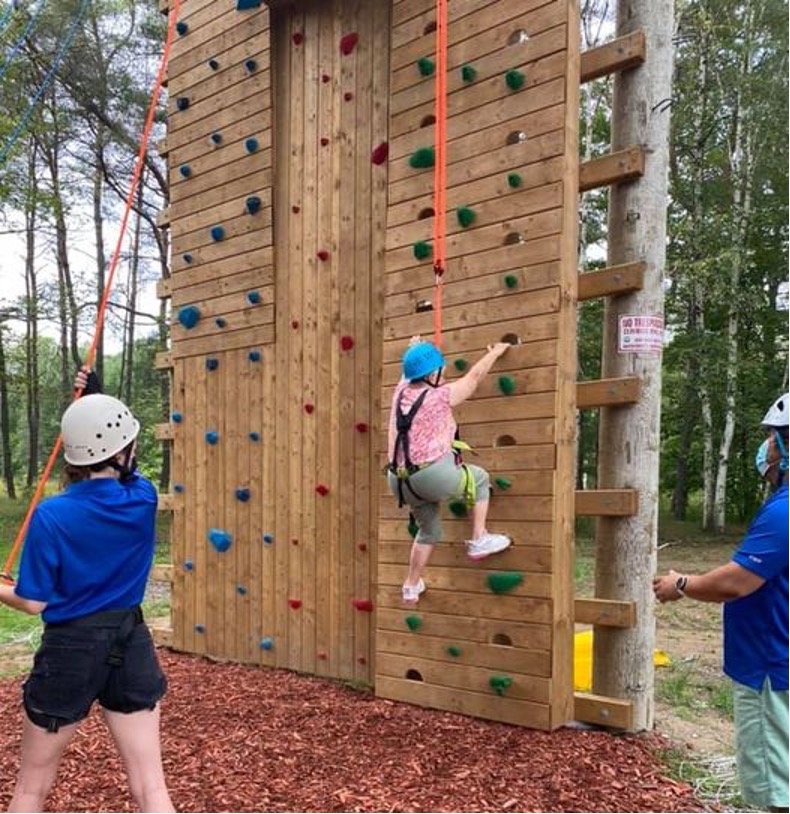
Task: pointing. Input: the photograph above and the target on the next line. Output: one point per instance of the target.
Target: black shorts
(71, 671)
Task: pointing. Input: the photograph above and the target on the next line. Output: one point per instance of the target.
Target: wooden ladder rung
(623, 165)
(163, 432)
(162, 573)
(607, 612)
(598, 709)
(618, 55)
(163, 218)
(164, 288)
(607, 502)
(161, 147)
(608, 392)
(611, 281)
(163, 360)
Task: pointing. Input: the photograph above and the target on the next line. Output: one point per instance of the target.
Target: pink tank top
(433, 429)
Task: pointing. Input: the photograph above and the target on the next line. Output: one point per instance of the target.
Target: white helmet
(95, 428)
(777, 415)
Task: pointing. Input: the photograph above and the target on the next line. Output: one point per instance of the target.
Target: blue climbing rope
(9, 143)
(6, 16)
(17, 46)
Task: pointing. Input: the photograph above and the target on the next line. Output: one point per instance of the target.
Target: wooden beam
(615, 168)
(618, 55)
(163, 432)
(162, 573)
(164, 6)
(607, 502)
(608, 392)
(162, 635)
(598, 709)
(163, 360)
(611, 281)
(161, 147)
(167, 502)
(163, 218)
(164, 288)
(609, 612)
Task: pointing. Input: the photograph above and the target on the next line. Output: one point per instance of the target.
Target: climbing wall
(492, 639)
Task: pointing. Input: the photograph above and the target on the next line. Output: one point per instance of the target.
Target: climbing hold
(322, 490)
(348, 95)
(253, 297)
(294, 542)
(212, 437)
(511, 281)
(213, 64)
(189, 316)
(514, 79)
(176, 417)
(322, 655)
(425, 66)
(454, 651)
(221, 322)
(458, 508)
(325, 77)
(308, 408)
(254, 436)
(513, 180)
(181, 28)
(413, 622)
(413, 527)
(212, 364)
(466, 216)
(362, 660)
(241, 590)
(220, 539)
(363, 605)
(507, 385)
(188, 565)
(468, 73)
(252, 204)
(268, 538)
(297, 37)
(363, 546)
(185, 170)
(380, 153)
(295, 209)
(179, 488)
(251, 145)
(254, 356)
(324, 141)
(217, 233)
(361, 426)
(187, 258)
(295, 324)
(200, 628)
(503, 581)
(422, 158)
(422, 250)
(242, 495)
(348, 42)
(182, 103)
(323, 255)
(243, 5)
(461, 364)
(503, 483)
(216, 138)
(267, 643)
(295, 603)
(250, 65)
(346, 342)
(500, 683)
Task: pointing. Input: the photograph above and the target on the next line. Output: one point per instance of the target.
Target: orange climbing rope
(440, 169)
(138, 169)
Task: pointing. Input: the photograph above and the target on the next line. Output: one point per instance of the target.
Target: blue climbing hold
(182, 28)
(213, 64)
(216, 138)
(243, 5)
(254, 356)
(267, 643)
(217, 233)
(176, 417)
(212, 364)
(253, 204)
(200, 628)
(251, 66)
(242, 495)
(253, 297)
(221, 322)
(188, 565)
(187, 258)
(185, 170)
(220, 539)
(182, 103)
(179, 488)
(212, 437)
(268, 539)
(252, 145)
(241, 590)
(189, 316)
(255, 436)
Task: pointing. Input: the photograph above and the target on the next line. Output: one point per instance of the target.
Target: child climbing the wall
(84, 567)
(424, 467)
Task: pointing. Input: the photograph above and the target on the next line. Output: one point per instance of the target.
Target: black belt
(124, 620)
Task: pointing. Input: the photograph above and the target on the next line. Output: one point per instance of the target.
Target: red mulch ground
(244, 739)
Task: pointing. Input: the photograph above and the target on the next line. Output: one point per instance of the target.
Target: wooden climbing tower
(296, 215)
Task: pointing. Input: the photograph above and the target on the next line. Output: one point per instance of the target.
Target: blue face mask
(761, 459)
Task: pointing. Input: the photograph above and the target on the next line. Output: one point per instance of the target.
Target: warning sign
(640, 334)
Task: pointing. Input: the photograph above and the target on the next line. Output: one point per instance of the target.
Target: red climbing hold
(322, 490)
(324, 141)
(321, 655)
(323, 255)
(380, 153)
(325, 78)
(363, 546)
(295, 603)
(348, 95)
(361, 427)
(294, 323)
(294, 541)
(308, 408)
(296, 209)
(363, 604)
(346, 342)
(348, 42)
(362, 660)
(297, 37)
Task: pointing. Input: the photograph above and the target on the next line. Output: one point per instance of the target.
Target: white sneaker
(411, 593)
(487, 545)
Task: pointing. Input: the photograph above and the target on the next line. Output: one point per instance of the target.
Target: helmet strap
(784, 462)
(436, 382)
(126, 468)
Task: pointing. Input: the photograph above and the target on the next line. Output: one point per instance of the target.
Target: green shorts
(761, 735)
(440, 481)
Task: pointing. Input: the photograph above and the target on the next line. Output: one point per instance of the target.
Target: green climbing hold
(454, 651)
(506, 385)
(503, 581)
(466, 216)
(500, 683)
(503, 483)
(413, 527)
(514, 79)
(422, 158)
(468, 73)
(422, 250)
(425, 66)
(413, 622)
(461, 364)
(458, 508)
(513, 180)
(511, 281)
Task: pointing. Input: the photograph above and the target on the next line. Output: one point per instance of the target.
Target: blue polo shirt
(755, 626)
(90, 548)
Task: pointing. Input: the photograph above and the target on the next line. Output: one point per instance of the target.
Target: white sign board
(640, 334)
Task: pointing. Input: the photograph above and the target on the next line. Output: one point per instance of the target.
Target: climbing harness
(5, 574)
(440, 169)
(403, 422)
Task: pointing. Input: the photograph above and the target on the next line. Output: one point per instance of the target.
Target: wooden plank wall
(528, 233)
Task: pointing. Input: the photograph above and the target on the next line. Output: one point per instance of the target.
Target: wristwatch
(680, 585)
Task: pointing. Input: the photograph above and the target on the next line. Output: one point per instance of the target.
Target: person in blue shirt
(84, 566)
(754, 590)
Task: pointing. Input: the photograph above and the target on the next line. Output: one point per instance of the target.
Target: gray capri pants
(442, 480)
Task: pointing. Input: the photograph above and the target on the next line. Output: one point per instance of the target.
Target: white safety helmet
(95, 428)
(777, 414)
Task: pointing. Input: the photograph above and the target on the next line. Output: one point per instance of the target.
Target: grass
(714, 780)
(690, 691)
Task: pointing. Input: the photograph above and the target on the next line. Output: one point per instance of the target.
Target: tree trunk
(629, 440)
(680, 493)
(31, 321)
(133, 271)
(5, 423)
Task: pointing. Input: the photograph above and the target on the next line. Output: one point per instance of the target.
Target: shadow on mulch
(239, 738)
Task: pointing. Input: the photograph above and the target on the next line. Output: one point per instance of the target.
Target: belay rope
(138, 169)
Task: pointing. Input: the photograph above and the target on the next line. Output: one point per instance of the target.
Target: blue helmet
(421, 360)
